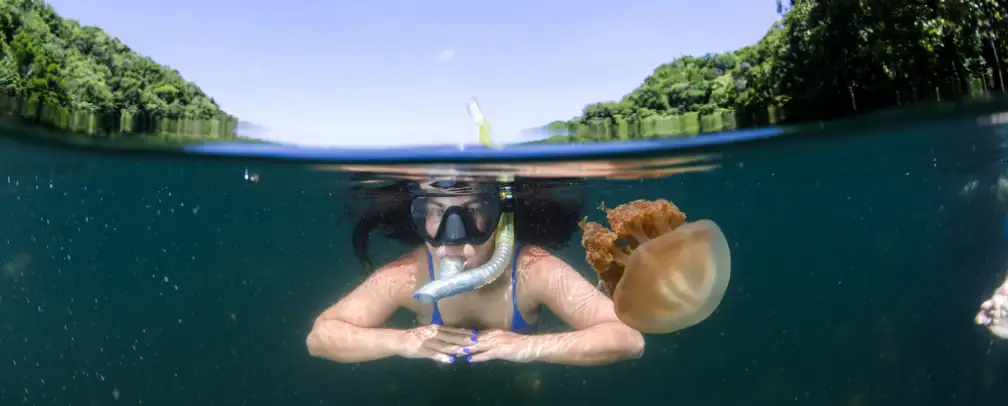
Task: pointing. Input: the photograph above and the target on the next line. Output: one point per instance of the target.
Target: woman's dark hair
(546, 213)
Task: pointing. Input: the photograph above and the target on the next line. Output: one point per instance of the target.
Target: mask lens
(455, 219)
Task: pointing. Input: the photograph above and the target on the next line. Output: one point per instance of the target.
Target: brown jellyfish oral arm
(663, 273)
(603, 255)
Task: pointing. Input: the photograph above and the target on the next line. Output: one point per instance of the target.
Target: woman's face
(477, 213)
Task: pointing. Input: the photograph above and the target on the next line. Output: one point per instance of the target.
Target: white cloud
(445, 55)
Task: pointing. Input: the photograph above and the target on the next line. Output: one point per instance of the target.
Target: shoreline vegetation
(59, 76)
(820, 61)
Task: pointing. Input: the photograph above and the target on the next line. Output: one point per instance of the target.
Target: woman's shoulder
(540, 271)
(534, 258)
(401, 272)
(532, 251)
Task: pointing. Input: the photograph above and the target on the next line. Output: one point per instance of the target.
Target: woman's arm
(349, 331)
(600, 337)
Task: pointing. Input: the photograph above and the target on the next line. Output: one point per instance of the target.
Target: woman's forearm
(339, 341)
(598, 345)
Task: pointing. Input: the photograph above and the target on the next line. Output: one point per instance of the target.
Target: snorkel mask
(457, 213)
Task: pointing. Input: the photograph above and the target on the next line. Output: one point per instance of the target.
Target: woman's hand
(446, 344)
(436, 342)
(501, 345)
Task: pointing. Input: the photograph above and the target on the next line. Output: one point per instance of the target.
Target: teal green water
(859, 260)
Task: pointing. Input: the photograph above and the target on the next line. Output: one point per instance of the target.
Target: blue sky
(394, 72)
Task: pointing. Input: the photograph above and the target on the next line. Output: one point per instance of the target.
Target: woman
(452, 221)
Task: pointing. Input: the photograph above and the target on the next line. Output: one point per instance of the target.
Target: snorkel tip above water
(452, 279)
(482, 125)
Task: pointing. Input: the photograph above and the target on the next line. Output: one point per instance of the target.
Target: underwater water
(859, 253)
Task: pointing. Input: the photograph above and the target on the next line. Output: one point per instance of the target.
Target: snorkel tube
(452, 280)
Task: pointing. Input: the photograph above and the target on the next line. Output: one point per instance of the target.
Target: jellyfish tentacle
(620, 256)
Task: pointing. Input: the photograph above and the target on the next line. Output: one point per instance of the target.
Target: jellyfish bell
(674, 281)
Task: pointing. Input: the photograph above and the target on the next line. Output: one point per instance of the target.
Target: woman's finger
(463, 340)
(437, 356)
(482, 356)
(442, 347)
(481, 346)
(456, 351)
(456, 330)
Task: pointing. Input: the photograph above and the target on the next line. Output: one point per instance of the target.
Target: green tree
(57, 72)
(822, 60)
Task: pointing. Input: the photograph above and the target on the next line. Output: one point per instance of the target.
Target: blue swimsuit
(518, 323)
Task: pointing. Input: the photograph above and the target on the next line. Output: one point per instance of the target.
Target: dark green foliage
(822, 60)
(54, 71)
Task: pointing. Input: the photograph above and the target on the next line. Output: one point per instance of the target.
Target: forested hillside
(56, 72)
(822, 60)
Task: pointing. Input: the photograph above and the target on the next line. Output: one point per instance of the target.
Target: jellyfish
(664, 274)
